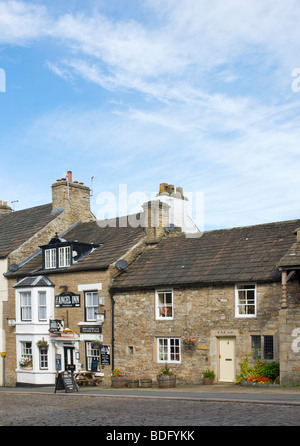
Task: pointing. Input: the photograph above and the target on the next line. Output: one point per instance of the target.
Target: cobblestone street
(17, 409)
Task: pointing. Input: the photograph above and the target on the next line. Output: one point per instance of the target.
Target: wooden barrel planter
(133, 383)
(166, 381)
(208, 381)
(119, 381)
(146, 382)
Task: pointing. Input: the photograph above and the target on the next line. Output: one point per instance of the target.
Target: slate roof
(246, 254)
(19, 226)
(114, 243)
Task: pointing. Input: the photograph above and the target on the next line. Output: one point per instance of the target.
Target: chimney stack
(4, 208)
(155, 219)
(73, 197)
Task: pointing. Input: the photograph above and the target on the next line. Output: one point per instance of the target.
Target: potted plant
(166, 378)
(188, 343)
(208, 377)
(26, 363)
(118, 379)
(42, 343)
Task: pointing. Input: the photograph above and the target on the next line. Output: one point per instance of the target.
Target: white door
(227, 359)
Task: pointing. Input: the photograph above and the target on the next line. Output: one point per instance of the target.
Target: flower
(26, 362)
(165, 371)
(188, 343)
(118, 373)
(67, 330)
(259, 379)
(96, 345)
(42, 343)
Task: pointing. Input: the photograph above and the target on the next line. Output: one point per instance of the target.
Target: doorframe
(72, 348)
(234, 356)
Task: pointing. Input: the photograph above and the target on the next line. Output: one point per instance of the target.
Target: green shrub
(270, 369)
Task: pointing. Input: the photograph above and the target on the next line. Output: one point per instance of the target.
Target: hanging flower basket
(188, 344)
(96, 345)
(42, 343)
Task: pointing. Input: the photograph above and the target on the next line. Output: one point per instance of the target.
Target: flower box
(27, 367)
(119, 381)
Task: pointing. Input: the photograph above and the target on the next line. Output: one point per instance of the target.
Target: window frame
(261, 346)
(89, 307)
(24, 307)
(89, 355)
(159, 307)
(26, 351)
(168, 344)
(64, 256)
(50, 258)
(43, 359)
(42, 306)
(247, 303)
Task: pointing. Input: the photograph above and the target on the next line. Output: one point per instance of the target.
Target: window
(168, 350)
(91, 305)
(268, 347)
(256, 346)
(245, 300)
(92, 354)
(50, 258)
(263, 347)
(43, 358)
(42, 305)
(26, 350)
(64, 256)
(164, 304)
(25, 306)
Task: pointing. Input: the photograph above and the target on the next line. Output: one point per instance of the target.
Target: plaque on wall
(67, 299)
(97, 329)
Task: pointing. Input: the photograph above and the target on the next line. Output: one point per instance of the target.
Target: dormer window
(60, 253)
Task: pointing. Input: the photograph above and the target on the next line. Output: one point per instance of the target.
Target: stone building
(233, 291)
(62, 296)
(22, 232)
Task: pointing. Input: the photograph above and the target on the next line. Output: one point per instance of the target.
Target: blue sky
(195, 93)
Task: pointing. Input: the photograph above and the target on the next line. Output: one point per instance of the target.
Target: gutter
(111, 293)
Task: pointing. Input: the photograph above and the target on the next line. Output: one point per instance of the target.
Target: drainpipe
(111, 293)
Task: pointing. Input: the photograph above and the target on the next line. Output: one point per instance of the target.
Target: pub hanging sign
(67, 300)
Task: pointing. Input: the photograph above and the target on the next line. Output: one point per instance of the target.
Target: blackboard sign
(97, 329)
(105, 355)
(65, 381)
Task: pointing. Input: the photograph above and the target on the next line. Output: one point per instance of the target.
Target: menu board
(65, 381)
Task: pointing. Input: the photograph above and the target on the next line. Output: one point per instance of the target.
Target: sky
(199, 94)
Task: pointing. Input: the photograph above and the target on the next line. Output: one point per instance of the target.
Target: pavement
(217, 392)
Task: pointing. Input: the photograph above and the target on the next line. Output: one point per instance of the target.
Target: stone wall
(203, 313)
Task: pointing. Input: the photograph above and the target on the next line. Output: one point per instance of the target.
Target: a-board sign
(65, 381)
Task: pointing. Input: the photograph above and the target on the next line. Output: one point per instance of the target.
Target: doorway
(227, 372)
(69, 358)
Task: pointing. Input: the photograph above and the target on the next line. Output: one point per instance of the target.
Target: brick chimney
(154, 219)
(4, 208)
(72, 196)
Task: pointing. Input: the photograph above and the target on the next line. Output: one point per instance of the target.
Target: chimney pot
(70, 176)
